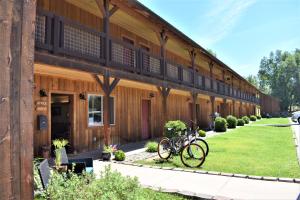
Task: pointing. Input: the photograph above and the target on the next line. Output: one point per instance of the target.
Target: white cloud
(222, 18)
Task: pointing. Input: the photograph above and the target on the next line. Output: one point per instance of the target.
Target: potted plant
(59, 144)
(108, 151)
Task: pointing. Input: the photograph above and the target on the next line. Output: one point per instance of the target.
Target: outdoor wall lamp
(82, 96)
(43, 93)
(151, 95)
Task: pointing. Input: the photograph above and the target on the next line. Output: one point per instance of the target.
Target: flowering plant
(110, 149)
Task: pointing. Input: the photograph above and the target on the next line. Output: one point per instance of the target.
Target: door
(61, 118)
(146, 107)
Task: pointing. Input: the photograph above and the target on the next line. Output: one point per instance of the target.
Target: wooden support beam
(113, 10)
(212, 101)
(163, 38)
(164, 93)
(101, 7)
(233, 109)
(17, 24)
(211, 66)
(194, 108)
(193, 54)
(107, 88)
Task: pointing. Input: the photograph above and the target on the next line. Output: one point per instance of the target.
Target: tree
(279, 75)
(212, 52)
(253, 80)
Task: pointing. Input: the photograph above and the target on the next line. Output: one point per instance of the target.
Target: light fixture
(82, 96)
(43, 93)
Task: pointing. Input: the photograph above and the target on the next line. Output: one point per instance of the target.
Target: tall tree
(279, 75)
(253, 80)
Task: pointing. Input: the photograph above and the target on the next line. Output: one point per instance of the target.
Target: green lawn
(251, 150)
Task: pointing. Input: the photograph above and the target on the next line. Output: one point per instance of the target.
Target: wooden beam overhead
(101, 7)
(113, 10)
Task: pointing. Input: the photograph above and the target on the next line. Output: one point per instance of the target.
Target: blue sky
(241, 32)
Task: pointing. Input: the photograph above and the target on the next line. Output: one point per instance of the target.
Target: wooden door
(146, 107)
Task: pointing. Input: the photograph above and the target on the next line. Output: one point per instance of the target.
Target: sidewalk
(205, 185)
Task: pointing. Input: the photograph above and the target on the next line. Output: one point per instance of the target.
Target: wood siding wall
(128, 114)
(269, 104)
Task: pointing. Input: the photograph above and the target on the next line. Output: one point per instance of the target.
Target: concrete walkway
(205, 185)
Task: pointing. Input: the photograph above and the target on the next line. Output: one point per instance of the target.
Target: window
(95, 110)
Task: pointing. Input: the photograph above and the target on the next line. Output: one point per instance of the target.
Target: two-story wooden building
(114, 72)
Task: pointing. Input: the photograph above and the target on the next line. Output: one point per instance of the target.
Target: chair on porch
(80, 163)
(44, 172)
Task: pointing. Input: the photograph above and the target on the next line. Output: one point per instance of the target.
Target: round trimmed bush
(231, 121)
(119, 155)
(202, 133)
(253, 118)
(240, 122)
(174, 128)
(220, 124)
(246, 119)
(151, 146)
(258, 117)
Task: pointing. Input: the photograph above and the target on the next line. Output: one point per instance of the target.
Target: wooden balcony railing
(65, 37)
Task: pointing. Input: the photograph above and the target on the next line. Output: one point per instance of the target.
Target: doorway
(146, 130)
(61, 118)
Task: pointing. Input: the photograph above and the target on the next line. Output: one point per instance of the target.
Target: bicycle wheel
(202, 143)
(192, 155)
(164, 149)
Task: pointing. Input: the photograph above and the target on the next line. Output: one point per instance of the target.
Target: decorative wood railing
(63, 36)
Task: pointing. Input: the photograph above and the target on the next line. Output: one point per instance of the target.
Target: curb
(296, 142)
(214, 173)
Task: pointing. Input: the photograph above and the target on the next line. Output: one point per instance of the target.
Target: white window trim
(98, 124)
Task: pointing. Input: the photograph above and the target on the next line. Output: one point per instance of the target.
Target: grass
(251, 150)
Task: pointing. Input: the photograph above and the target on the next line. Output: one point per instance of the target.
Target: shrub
(231, 121)
(253, 118)
(119, 155)
(202, 133)
(220, 124)
(240, 122)
(246, 119)
(258, 117)
(151, 146)
(174, 128)
(110, 185)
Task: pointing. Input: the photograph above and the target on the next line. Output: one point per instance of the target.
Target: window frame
(101, 111)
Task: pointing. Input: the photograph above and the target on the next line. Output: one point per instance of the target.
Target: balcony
(61, 36)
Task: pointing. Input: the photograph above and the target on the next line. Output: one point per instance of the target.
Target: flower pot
(61, 168)
(106, 156)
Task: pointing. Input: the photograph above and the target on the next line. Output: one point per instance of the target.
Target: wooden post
(107, 89)
(193, 57)
(211, 66)
(194, 114)
(163, 38)
(233, 108)
(103, 6)
(164, 94)
(241, 109)
(17, 23)
(225, 108)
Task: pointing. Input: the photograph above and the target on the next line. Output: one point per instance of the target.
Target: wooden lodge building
(102, 71)
(114, 72)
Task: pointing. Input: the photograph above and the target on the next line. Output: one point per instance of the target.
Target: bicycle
(191, 154)
(195, 138)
